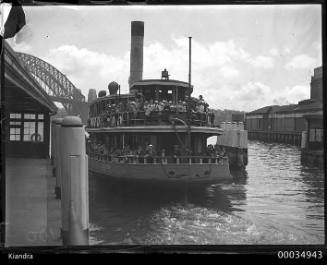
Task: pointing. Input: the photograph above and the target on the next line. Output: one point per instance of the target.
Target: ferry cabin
(161, 129)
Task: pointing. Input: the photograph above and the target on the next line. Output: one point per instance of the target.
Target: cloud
(88, 69)
(21, 41)
(216, 70)
(302, 61)
(254, 91)
(25, 34)
(273, 52)
(229, 72)
(293, 95)
(254, 95)
(262, 62)
(297, 93)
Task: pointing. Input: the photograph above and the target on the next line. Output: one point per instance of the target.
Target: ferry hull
(172, 173)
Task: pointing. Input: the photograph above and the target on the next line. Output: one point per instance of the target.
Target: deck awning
(157, 129)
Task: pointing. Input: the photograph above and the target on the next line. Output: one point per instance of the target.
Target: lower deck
(162, 170)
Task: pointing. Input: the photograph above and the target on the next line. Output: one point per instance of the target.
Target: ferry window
(18, 123)
(40, 116)
(33, 128)
(29, 116)
(316, 135)
(14, 134)
(29, 130)
(15, 115)
(170, 94)
(40, 130)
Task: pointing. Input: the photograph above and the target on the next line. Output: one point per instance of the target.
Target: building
(312, 152)
(286, 123)
(27, 110)
(316, 84)
(92, 95)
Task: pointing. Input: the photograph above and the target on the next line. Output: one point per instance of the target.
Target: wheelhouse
(170, 90)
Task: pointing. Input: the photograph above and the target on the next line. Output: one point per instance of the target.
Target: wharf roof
(302, 106)
(313, 116)
(18, 74)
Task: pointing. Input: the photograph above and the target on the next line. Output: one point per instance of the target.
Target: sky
(243, 57)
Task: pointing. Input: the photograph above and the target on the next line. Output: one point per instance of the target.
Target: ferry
(165, 145)
(157, 132)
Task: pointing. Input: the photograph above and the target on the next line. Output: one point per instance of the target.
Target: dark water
(276, 201)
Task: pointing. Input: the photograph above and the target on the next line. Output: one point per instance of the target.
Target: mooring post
(304, 139)
(52, 140)
(57, 155)
(74, 197)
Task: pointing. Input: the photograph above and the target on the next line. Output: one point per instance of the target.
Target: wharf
(32, 211)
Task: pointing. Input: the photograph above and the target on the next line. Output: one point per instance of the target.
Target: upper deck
(152, 102)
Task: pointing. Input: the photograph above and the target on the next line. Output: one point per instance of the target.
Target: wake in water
(189, 224)
(276, 201)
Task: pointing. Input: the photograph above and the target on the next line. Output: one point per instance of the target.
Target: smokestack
(136, 59)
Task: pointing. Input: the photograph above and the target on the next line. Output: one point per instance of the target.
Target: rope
(174, 127)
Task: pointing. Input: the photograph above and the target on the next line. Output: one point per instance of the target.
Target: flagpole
(2, 80)
(3, 135)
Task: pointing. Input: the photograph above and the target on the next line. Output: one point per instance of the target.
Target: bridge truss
(56, 84)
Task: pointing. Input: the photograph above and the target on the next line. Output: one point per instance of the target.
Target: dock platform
(33, 216)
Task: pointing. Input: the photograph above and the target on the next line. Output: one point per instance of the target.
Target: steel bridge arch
(55, 83)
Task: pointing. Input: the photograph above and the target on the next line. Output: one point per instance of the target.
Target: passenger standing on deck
(112, 116)
(147, 108)
(149, 153)
(163, 156)
(184, 106)
(179, 106)
(161, 106)
(173, 107)
(164, 105)
(176, 152)
(156, 105)
(139, 99)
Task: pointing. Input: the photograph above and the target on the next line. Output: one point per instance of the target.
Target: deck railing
(154, 118)
(147, 159)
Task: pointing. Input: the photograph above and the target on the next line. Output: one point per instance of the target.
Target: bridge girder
(55, 83)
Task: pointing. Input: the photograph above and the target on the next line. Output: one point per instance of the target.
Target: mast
(188, 143)
(189, 61)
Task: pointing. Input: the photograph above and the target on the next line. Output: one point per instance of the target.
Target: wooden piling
(74, 199)
(57, 155)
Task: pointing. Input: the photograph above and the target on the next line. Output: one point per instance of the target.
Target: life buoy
(36, 137)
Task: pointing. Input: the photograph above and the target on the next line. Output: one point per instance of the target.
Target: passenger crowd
(149, 151)
(113, 114)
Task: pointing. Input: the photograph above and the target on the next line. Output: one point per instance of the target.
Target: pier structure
(33, 212)
(312, 153)
(235, 142)
(286, 123)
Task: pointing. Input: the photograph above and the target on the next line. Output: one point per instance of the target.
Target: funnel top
(138, 28)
